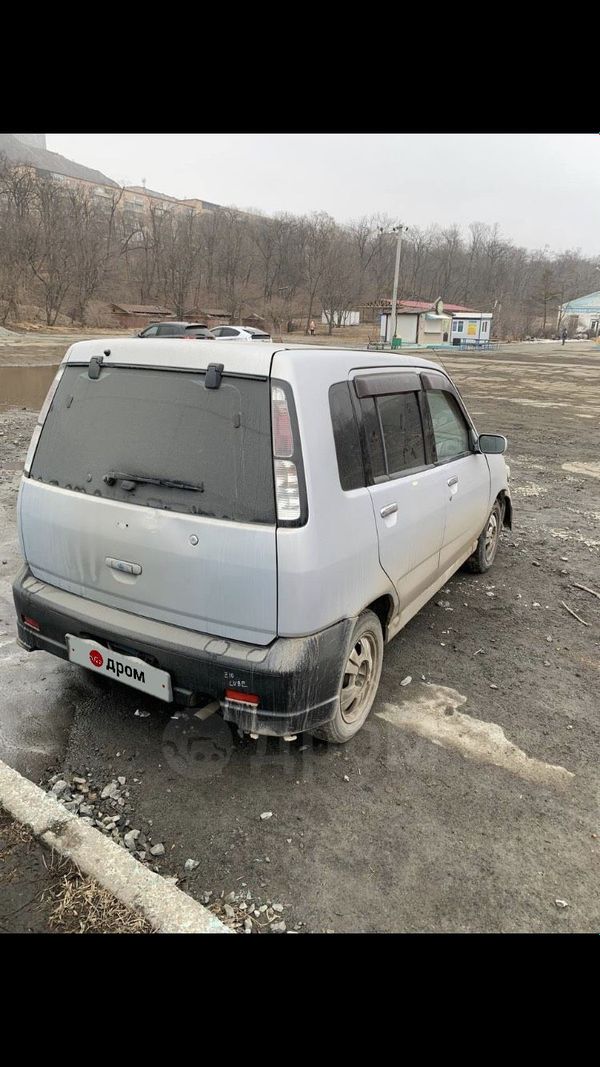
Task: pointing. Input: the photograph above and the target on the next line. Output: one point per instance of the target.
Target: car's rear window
(165, 425)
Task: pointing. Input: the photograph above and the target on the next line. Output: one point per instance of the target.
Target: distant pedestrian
(564, 334)
(312, 328)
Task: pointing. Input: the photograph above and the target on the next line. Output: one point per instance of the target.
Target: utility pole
(399, 230)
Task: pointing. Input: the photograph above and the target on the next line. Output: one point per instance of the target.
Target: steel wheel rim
(491, 537)
(359, 673)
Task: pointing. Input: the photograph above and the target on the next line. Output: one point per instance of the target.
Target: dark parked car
(177, 329)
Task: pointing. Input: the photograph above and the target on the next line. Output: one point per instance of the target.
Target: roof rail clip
(214, 372)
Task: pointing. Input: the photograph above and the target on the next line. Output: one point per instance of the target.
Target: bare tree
(340, 280)
(316, 233)
(16, 192)
(234, 260)
(179, 251)
(93, 227)
(545, 295)
(58, 243)
(50, 244)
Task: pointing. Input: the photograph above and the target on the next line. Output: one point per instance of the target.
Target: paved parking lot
(469, 802)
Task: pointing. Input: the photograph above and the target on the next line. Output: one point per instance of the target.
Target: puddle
(433, 714)
(24, 387)
(592, 468)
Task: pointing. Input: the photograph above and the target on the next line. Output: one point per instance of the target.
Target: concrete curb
(167, 909)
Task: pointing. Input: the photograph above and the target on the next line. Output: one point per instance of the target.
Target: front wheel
(487, 545)
(360, 681)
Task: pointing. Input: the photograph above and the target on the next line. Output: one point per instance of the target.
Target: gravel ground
(469, 800)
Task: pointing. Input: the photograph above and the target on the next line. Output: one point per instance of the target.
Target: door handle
(389, 509)
(453, 480)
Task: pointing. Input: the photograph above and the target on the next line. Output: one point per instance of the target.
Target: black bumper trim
(296, 678)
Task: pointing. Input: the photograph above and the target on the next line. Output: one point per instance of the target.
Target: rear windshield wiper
(129, 481)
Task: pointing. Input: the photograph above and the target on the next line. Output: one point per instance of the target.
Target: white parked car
(239, 333)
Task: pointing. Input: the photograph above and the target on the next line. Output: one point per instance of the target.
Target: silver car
(251, 531)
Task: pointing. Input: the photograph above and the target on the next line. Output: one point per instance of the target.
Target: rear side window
(169, 329)
(402, 432)
(394, 434)
(166, 426)
(347, 440)
(450, 429)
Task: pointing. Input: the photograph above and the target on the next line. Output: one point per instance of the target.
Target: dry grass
(81, 906)
(13, 834)
(76, 903)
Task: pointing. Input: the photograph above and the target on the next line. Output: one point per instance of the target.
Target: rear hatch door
(195, 543)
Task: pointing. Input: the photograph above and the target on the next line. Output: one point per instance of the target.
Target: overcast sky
(542, 189)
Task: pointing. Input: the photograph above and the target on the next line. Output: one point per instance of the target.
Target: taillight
(33, 624)
(287, 486)
(42, 418)
(283, 439)
(239, 697)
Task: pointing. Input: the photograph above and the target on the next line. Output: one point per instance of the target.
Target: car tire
(487, 545)
(359, 682)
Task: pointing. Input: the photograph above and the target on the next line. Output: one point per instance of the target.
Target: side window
(226, 331)
(394, 433)
(373, 436)
(402, 432)
(450, 429)
(168, 329)
(347, 441)
(151, 331)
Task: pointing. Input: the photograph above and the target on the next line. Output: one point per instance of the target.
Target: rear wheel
(487, 545)
(360, 681)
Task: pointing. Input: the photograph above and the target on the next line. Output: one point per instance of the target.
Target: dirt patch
(591, 468)
(41, 892)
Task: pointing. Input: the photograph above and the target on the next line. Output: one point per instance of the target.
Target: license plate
(128, 669)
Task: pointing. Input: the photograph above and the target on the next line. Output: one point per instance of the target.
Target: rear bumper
(296, 678)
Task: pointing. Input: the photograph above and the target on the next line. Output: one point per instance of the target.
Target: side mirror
(492, 444)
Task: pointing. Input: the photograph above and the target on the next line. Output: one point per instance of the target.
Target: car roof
(252, 357)
(236, 326)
